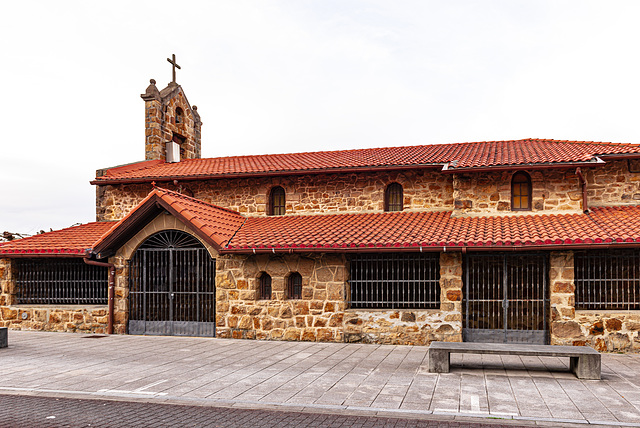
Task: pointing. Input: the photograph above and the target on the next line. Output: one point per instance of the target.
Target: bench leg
(439, 361)
(586, 366)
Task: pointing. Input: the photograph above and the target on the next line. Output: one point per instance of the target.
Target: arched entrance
(172, 287)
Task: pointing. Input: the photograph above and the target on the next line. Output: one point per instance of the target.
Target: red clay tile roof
(451, 156)
(215, 224)
(72, 241)
(230, 232)
(434, 230)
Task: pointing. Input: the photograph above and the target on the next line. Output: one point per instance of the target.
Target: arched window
(264, 287)
(179, 115)
(393, 197)
(276, 201)
(294, 286)
(521, 192)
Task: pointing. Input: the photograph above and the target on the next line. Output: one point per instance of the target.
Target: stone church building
(534, 241)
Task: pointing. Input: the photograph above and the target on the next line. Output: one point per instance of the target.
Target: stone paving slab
(336, 377)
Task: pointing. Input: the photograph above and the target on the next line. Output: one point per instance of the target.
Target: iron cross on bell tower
(175, 65)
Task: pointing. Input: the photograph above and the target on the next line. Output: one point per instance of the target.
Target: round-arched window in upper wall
(277, 201)
(179, 115)
(521, 191)
(393, 199)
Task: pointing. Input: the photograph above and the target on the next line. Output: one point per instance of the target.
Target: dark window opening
(393, 197)
(294, 286)
(60, 281)
(521, 192)
(395, 281)
(277, 204)
(264, 288)
(179, 115)
(177, 138)
(607, 280)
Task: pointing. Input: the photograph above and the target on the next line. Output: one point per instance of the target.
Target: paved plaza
(47, 412)
(355, 379)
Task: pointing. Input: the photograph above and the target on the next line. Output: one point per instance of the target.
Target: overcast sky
(288, 76)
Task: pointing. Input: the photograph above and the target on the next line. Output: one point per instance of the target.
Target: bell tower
(172, 126)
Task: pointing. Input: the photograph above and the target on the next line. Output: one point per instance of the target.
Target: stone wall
(562, 298)
(305, 194)
(609, 331)
(414, 327)
(613, 184)
(85, 319)
(322, 313)
(74, 319)
(6, 282)
(606, 331)
(318, 316)
(121, 295)
(490, 192)
(424, 190)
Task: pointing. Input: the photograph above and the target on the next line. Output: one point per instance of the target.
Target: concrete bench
(584, 361)
(4, 337)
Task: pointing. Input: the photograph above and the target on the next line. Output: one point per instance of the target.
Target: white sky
(287, 76)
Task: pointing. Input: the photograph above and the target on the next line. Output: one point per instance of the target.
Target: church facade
(527, 241)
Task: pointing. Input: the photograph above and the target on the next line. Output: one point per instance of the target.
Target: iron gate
(506, 298)
(172, 287)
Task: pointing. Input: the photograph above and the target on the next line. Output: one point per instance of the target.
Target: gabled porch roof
(215, 225)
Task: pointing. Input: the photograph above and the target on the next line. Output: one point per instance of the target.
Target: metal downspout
(583, 181)
(112, 281)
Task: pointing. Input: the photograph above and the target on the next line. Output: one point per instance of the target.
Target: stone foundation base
(83, 319)
(605, 331)
(404, 327)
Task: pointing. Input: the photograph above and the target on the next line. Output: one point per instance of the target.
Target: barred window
(395, 281)
(277, 204)
(66, 281)
(294, 286)
(264, 288)
(393, 198)
(607, 279)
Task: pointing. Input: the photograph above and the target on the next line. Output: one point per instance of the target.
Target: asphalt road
(18, 411)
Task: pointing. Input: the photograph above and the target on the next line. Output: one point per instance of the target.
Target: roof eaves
(428, 248)
(32, 254)
(531, 166)
(614, 156)
(255, 174)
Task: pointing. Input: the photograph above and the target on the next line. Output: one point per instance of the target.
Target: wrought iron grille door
(172, 287)
(506, 298)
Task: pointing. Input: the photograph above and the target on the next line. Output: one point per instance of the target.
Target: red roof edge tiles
(529, 153)
(73, 241)
(437, 231)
